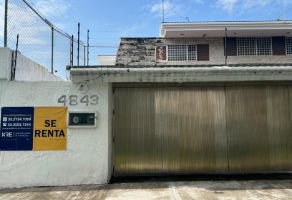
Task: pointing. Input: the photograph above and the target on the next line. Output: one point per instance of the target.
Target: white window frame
(286, 46)
(187, 52)
(256, 46)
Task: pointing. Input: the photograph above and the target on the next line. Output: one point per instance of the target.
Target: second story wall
(155, 51)
(200, 51)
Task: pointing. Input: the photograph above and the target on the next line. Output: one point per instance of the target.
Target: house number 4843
(74, 100)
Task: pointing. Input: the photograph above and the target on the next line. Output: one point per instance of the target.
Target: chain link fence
(40, 40)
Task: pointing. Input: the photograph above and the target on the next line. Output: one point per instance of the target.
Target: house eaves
(219, 29)
(182, 74)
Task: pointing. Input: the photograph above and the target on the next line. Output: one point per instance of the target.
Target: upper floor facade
(211, 43)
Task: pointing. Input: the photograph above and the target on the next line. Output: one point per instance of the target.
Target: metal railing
(40, 40)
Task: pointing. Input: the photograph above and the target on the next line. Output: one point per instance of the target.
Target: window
(254, 46)
(182, 52)
(264, 46)
(289, 45)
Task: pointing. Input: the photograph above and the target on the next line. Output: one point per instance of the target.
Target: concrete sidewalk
(201, 190)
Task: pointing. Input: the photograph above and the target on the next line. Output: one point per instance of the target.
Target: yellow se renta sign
(50, 128)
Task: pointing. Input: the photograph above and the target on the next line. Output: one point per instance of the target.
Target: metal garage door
(202, 130)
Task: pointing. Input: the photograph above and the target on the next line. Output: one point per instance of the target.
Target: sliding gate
(177, 130)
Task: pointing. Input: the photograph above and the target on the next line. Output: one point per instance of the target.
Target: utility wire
(283, 14)
(103, 46)
(174, 11)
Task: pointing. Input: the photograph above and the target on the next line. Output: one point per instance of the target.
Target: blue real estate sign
(16, 129)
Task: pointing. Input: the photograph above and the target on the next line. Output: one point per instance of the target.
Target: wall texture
(141, 51)
(26, 69)
(106, 59)
(86, 160)
(5, 63)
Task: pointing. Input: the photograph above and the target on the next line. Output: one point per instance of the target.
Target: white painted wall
(87, 159)
(106, 59)
(5, 62)
(26, 69)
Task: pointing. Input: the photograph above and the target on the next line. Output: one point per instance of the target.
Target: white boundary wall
(87, 159)
(5, 63)
(26, 69)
